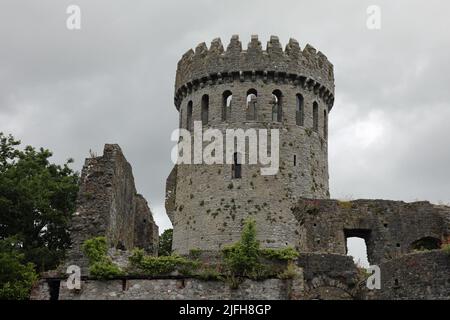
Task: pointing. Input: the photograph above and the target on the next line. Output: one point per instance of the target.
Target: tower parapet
(307, 67)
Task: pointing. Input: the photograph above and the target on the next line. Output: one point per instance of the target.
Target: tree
(16, 276)
(37, 199)
(165, 243)
(242, 258)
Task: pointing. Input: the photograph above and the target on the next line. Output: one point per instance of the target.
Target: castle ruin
(291, 90)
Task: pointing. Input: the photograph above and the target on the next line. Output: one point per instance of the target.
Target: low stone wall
(422, 275)
(176, 289)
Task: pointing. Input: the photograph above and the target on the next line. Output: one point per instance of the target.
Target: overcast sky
(113, 82)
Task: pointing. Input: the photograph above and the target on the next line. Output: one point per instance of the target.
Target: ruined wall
(206, 205)
(390, 228)
(419, 275)
(108, 205)
(329, 277)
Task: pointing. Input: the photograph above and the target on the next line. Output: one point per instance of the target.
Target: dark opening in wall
(315, 117)
(356, 245)
(236, 168)
(295, 160)
(277, 108)
(426, 243)
(124, 284)
(205, 109)
(299, 111)
(227, 96)
(189, 123)
(252, 95)
(53, 286)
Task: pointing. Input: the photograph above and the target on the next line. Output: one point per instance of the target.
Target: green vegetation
(37, 199)
(100, 265)
(153, 266)
(165, 243)
(286, 254)
(16, 275)
(195, 253)
(289, 273)
(243, 259)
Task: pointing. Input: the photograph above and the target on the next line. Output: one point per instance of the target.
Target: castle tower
(291, 90)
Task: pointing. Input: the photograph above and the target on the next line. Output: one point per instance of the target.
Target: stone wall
(419, 275)
(390, 228)
(109, 205)
(170, 289)
(320, 276)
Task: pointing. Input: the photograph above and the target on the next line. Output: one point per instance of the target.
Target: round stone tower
(290, 90)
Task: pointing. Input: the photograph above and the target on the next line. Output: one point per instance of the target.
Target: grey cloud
(112, 81)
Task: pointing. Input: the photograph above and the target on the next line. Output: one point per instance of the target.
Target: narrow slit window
(189, 116)
(299, 113)
(237, 166)
(205, 109)
(315, 117)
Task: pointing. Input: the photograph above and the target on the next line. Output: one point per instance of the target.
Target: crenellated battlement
(307, 68)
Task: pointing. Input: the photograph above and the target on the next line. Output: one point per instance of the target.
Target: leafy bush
(210, 274)
(285, 254)
(16, 276)
(100, 265)
(95, 249)
(243, 259)
(105, 269)
(152, 266)
(289, 273)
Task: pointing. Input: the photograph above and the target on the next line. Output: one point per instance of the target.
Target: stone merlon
(306, 67)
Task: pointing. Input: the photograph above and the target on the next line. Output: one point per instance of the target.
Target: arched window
(315, 117)
(236, 168)
(205, 109)
(252, 96)
(227, 96)
(325, 124)
(180, 124)
(189, 116)
(299, 111)
(277, 109)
